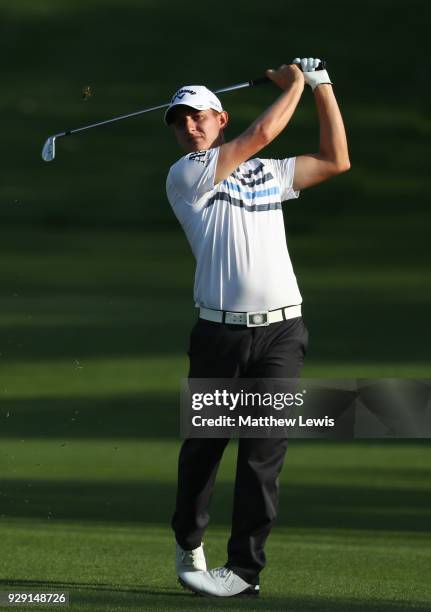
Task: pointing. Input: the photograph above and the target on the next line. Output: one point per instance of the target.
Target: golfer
(228, 202)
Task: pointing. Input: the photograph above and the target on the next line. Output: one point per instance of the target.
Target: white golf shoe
(218, 582)
(189, 561)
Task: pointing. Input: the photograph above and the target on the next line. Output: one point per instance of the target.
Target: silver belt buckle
(257, 319)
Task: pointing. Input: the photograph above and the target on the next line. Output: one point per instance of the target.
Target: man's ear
(223, 119)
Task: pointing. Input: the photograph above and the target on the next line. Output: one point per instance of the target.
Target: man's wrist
(297, 84)
(322, 89)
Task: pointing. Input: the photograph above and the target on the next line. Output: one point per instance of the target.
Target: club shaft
(232, 87)
(93, 125)
(145, 110)
(251, 83)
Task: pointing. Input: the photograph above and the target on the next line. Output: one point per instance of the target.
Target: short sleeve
(192, 176)
(283, 171)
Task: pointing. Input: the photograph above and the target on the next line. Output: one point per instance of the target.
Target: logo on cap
(181, 93)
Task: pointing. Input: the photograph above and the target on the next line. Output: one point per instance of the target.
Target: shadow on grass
(148, 415)
(366, 329)
(140, 598)
(148, 502)
(48, 97)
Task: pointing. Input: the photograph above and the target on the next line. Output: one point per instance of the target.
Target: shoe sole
(250, 592)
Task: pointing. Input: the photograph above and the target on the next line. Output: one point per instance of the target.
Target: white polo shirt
(236, 231)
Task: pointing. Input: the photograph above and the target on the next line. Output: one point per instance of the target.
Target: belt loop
(283, 314)
(223, 319)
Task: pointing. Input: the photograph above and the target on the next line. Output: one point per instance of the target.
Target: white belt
(258, 318)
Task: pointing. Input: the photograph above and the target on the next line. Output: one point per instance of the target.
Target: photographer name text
(263, 421)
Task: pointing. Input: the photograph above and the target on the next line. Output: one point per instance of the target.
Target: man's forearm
(277, 116)
(333, 140)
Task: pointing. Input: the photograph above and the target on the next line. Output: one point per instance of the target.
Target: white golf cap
(196, 96)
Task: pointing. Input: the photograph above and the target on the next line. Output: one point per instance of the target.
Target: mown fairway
(91, 518)
(90, 374)
(96, 300)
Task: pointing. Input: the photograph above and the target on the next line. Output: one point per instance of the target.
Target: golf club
(48, 151)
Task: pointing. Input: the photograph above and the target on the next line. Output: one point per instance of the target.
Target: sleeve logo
(198, 156)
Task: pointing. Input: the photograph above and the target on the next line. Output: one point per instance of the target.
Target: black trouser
(235, 351)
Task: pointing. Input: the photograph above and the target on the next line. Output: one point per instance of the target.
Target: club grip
(259, 81)
(265, 79)
(322, 65)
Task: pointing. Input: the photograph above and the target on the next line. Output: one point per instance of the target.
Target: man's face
(196, 130)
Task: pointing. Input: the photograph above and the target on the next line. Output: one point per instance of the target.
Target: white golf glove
(312, 76)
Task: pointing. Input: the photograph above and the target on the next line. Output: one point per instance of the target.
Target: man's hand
(267, 126)
(286, 75)
(312, 76)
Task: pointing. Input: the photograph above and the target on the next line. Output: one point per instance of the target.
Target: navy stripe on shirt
(251, 172)
(225, 197)
(267, 177)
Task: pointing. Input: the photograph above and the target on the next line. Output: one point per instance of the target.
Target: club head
(48, 151)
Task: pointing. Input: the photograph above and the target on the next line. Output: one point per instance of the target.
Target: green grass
(93, 348)
(91, 517)
(96, 299)
(89, 314)
(127, 52)
(125, 568)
